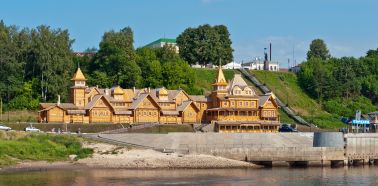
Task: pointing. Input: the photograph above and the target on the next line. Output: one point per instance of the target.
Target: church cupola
(162, 94)
(118, 93)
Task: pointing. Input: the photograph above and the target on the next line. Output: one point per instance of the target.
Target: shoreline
(108, 156)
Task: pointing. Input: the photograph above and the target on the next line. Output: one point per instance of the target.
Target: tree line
(37, 64)
(342, 85)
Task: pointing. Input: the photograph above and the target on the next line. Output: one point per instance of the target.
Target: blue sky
(349, 27)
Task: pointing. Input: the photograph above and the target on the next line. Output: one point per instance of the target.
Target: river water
(268, 176)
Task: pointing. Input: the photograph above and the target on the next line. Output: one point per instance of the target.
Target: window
(246, 103)
(232, 103)
(240, 103)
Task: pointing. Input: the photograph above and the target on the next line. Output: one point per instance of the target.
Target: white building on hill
(232, 65)
(259, 65)
(164, 41)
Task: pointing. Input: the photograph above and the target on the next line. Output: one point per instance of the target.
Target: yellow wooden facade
(228, 106)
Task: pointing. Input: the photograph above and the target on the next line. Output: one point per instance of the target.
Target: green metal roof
(162, 40)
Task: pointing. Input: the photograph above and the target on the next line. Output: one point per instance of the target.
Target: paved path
(190, 141)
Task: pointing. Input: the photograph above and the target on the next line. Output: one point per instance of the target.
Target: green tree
(318, 49)
(50, 60)
(178, 74)
(25, 98)
(116, 58)
(205, 44)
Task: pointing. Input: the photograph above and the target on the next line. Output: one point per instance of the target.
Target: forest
(341, 85)
(36, 64)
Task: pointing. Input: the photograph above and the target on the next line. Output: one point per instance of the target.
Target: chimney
(270, 51)
(134, 90)
(149, 89)
(58, 102)
(107, 91)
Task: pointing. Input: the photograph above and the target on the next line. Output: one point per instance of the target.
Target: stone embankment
(303, 148)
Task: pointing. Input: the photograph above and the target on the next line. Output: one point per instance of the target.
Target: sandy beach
(112, 156)
(117, 157)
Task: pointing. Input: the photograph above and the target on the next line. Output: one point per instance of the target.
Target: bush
(40, 147)
(347, 108)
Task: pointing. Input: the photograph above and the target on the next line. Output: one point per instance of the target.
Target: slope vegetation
(205, 77)
(285, 86)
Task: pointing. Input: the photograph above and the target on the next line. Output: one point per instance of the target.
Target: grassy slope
(285, 86)
(20, 115)
(205, 77)
(16, 146)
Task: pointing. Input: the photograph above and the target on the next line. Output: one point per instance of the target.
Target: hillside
(205, 77)
(285, 86)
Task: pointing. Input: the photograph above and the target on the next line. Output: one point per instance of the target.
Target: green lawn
(285, 86)
(16, 146)
(206, 77)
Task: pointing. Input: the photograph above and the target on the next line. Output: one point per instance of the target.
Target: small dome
(163, 91)
(118, 90)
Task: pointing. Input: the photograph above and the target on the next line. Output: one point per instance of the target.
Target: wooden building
(232, 106)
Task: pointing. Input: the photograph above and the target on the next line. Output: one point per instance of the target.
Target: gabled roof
(94, 100)
(185, 104)
(64, 106)
(264, 98)
(46, 105)
(237, 81)
(139, 100)
(78, 76)
(172, 94)
(162, 40)
(200, 98)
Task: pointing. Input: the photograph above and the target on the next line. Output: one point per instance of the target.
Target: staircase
(266, 90)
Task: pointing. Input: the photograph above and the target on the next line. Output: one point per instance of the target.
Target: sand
(111, 156)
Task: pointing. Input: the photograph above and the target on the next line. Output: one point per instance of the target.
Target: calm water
(268, 177)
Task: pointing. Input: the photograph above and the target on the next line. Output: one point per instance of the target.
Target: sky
(349, 27)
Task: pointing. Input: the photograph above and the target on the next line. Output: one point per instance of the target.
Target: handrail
(284, 107)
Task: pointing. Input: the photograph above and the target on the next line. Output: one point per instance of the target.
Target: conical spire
(221, 80)
(78, 76)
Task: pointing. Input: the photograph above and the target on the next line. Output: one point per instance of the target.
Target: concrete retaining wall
(328, 139)
(361, 146)
(262, 146)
